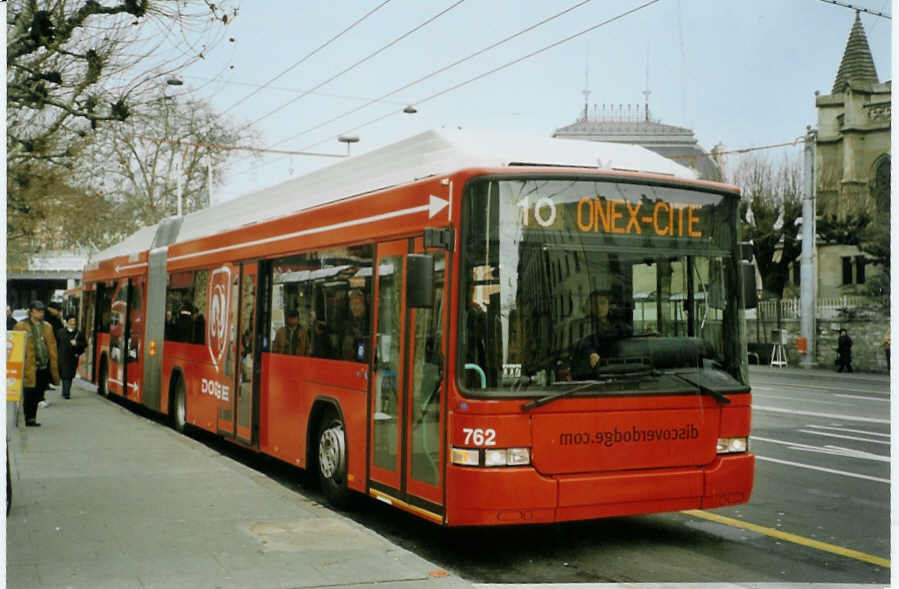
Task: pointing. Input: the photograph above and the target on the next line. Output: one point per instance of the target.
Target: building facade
(853, 146)
(852, 160)
(629, 123)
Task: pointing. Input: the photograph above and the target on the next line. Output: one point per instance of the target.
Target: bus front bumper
(502, 496)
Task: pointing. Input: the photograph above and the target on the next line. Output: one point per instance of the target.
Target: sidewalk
(818, 372)
(104, 498)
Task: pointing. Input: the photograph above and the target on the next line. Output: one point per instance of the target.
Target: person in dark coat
(70, 344)
(844, 352)
(184, 324)
(10, 320)
(54, 316)
(40, 360)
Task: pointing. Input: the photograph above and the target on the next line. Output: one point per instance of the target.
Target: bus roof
(434, 152)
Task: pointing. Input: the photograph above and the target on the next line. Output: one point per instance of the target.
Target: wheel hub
(180, 410)
(331, 451)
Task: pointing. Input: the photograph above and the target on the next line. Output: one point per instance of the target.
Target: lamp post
(173, 81)
(348, 139)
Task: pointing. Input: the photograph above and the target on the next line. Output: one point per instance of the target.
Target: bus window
(105, 307)
(185, 302)
(320, 304)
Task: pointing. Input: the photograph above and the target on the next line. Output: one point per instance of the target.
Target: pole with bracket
(808, 260)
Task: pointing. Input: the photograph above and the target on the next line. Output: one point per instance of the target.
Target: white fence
(826, 308)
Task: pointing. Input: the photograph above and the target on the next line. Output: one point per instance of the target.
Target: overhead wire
(502, 67)
(222, 147)
(358, 63)
(470, 80)
(436, 72)
(858, 9)
(792, 143)
(307, 56)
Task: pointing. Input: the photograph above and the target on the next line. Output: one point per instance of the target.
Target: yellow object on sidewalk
(15, 364)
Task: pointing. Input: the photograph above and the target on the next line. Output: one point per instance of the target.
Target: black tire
(331, 460)
(103, 379)
(179, 406)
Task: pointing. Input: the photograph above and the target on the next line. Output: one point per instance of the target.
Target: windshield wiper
(613, 373)
(718, 396)
(550, 398)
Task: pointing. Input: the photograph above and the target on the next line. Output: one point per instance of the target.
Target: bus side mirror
(749, 286)
(419, 281)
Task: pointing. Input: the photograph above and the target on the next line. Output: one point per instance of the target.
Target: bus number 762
(479, 437)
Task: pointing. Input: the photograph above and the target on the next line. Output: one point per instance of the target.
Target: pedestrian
(844, 352)
(54, 316)
(41, 366)
(10, 320)
(885, 342)
(71, 344)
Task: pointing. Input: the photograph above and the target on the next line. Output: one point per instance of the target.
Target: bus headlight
(507, 457)
(732, 445)
(491, 457)
(464, 457)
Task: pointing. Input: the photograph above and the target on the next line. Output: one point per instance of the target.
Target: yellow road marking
(833, 548)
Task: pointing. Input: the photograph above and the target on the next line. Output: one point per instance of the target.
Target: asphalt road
(819, 512)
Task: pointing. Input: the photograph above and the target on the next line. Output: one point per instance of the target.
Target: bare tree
(169, 150)
(769, 209)
(72, 64)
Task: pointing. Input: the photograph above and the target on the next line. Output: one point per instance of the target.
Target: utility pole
(808, 260)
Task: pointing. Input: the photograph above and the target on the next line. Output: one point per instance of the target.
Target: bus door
(87, 325)
(118, 338)
(134, 330)
(405, 459)
(425, 370)
(236, 405)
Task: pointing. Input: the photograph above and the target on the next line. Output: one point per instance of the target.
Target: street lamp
(410, 109)
(179, 183)
(348, 139)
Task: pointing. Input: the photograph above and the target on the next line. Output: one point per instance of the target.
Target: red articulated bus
(477, 329)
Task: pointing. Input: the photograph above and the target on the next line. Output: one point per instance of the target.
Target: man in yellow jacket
(41, 365)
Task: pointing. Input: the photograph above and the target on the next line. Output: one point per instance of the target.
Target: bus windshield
(598, 286)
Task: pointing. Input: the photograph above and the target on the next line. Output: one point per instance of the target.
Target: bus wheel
(103, 380)
(332, 460)
(179, 407)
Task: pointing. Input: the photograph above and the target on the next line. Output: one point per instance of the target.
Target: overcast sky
(739, 72)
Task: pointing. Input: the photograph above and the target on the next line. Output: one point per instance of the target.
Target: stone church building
(852, 160)
(853, 147)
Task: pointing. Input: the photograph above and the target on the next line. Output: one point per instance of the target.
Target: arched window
(880, 183)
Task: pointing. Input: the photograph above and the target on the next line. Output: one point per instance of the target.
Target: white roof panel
(430, 153)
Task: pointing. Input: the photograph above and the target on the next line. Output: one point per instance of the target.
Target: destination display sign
(598, 214)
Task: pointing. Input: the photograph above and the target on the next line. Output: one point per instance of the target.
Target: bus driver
(601, 331)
